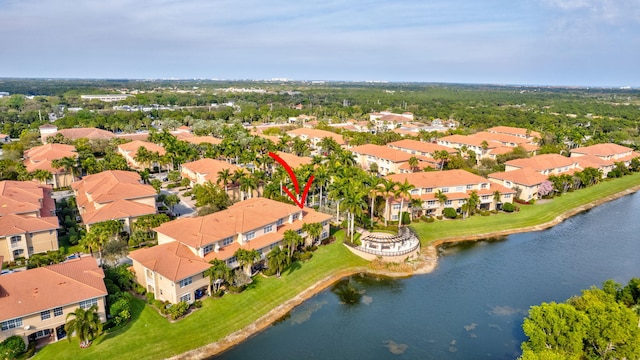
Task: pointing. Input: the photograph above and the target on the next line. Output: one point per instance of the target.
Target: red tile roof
(513, 131)
(173, 260)
(437, 179)
(35, 290)
(421, 146)
(118, 209)
(524, 176)
(315, 133)
(542, 162)
(40, 157)
(209, 168)
(133, 146)
(89, 133)
(602, 150)
(197, 140)
(109, 186)
(382, 152)
(16, 224)
(293, 160)
(21, 197)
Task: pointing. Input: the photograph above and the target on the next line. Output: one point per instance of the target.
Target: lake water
(471, 307)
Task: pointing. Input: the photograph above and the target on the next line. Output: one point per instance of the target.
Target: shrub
(150, 297)
(450, 213)
(484, 213)
(12, 347)
(120, 311)
(236, 289)
(406, 219)
(269, 272)
(439, 217)
(312, 248)
(178, 309)
(197, 304)
(158, 304)
(306, 255)
(508, 207)
(140, 290)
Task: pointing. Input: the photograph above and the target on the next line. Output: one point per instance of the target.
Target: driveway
(186, 207)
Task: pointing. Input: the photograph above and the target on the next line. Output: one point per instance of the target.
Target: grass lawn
(529, 215)
(151, 336)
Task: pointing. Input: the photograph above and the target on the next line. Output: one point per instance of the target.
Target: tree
(224, 177)
(441, 155)
(441, 197)
(171, 200)
(388, 187)
(246, 258)
(42, 175)
(217, 273)
(313, 230)
(413, 163)
(212, 195)
(558, 327)
(278, 260)
(416, 206)
(473, 202)
(100, 234)
(12, 347)
(69, 164)
(85, 324)
(545, 188)
(291, 240)
(404, 189)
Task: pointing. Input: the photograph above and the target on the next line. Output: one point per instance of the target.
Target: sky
(517, 42)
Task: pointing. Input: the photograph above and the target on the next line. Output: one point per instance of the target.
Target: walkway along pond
(471, 306)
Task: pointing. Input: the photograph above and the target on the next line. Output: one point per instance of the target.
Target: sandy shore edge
(426, 264)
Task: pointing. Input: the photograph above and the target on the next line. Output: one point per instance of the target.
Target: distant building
(105, 98)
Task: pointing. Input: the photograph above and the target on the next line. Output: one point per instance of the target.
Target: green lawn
(529, 215)
(150, 336)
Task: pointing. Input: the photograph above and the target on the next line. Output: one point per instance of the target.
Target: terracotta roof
(109, 186)
(602, 150)
(89, 133)
(40, 157)
(421, 146)
(382, 152)
(173, 260)
(421, 165)
(395, 118)
(209, 168)
(20, 197)
(35, 290)
(513, 131)
(132, 147)
(293, 160)
(524, 176)
(436, 179)
(315, 133)
(542, 162)
(469, 140)
(136, 136)
(592, 161)
(500, 137)
(241, 217)
(16, 224)
(197, 140)
(118, 209)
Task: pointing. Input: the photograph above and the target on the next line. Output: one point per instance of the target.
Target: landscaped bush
(12, 347)
(304, 256)
(508, 207)
(236, 289)
(406, 219)
(197, 304)
(158, 304)
(140, 290)
(269, 272)
(178, 309)
(449, 213)
(439, 217)
(120, 311)
(150, 297)
(484, 213)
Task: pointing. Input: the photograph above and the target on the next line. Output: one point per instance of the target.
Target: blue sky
(533, 42)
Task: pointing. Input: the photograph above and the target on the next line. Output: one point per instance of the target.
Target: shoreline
(428, 261)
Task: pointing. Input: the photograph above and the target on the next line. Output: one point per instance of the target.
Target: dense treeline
(599, 324)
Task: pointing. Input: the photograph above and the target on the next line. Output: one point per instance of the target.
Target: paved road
(186, 207)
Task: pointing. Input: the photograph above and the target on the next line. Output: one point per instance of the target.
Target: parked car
(6, 271)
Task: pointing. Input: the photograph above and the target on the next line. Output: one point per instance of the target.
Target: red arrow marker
(294, 179)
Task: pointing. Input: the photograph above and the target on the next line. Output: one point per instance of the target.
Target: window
(11, 324)
(415, 191)
(16, 239)
(280, 222)
(469, 187)
(207, 249)
(394, 217)
(232, 260)
(324, 223)
(324, 235)
(18, 252)
(484, 185)
(431, 202)
(57, 311)
(250, 235)
(186, 297)
(428, 190)
(485, 197)
(459, 188)
(396, 206)
(268, 228)
(461, 202)
(448, 202)
(445, 189)
(227, 241)
(88, 303)
(44, 315)
(185, 282)
(507, 196)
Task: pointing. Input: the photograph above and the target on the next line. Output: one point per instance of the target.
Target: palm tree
(441, 197)
(388, 187)
(497, 198)
(473, 202)
(85, 324)
(217, 273)
(224, 177)
(374, 188)
(236, 178)
(413, 163)
(291, 240)
(68, 163)
(441, 155)
(404, 189)
(247, 185)
(353, 204)
(42, 175)
(278, 260)
(246, 258)
(313, 230)
(415, 204)
(321, 178)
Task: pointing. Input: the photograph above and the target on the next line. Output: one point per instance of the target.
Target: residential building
(40, 158)
(203, 170)
(74, 133)
(608, 151)
(173, 270)
(130, 150)
(477, 145)
(35, 303)
(105, 97)
(546, 164)
(113, 195)
(529, 135)
(525, 180)
(386, 120)
(315, 136)
(294, 161)
(456, 185)
(415, 147)
(386, 159)
(28, 224)
(197, 140)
